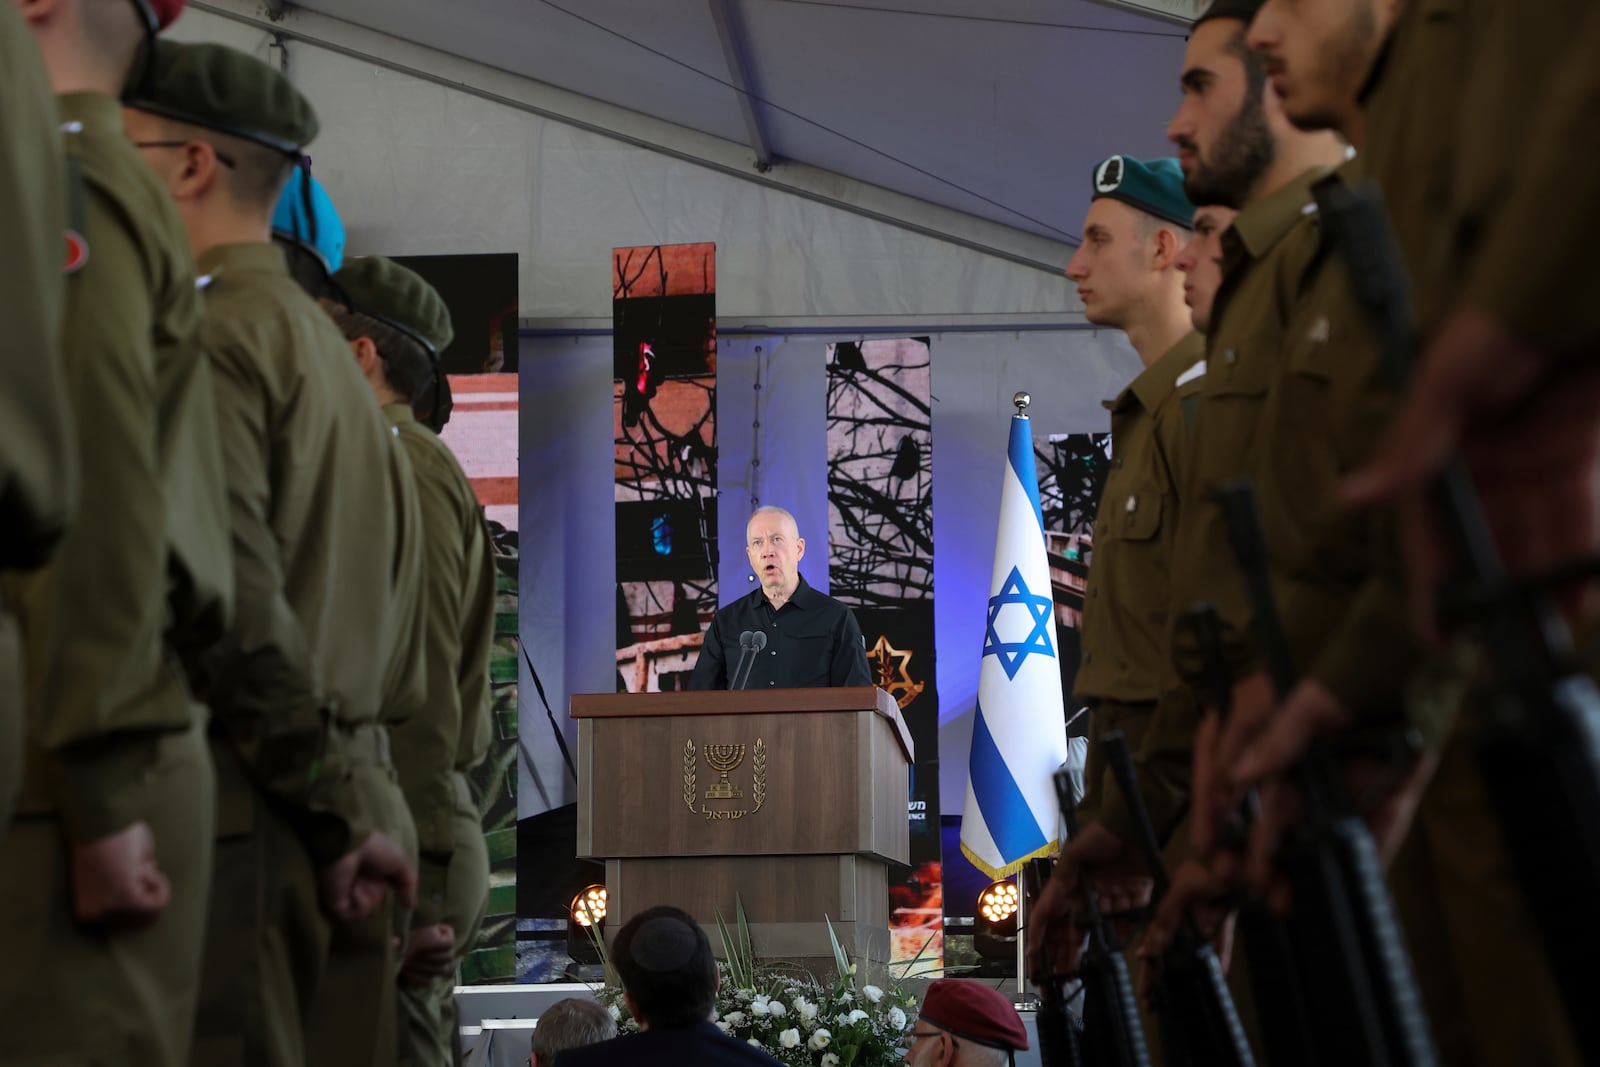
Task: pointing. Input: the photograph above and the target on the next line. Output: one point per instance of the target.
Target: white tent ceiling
(992, 110)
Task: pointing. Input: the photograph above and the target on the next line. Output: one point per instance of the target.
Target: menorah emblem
(723, 759)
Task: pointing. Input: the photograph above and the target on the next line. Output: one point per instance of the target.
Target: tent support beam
(730, 31)
(1179, 12)
(958, 228)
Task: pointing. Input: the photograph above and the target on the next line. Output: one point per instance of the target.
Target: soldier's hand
(1388, 799)
(1528, 434)
(116, 880)
(354, 886)
(430, 953)
(1309, 713)
(1054, 936)
(1195, 890)
(1473, 368)
(1217, 748)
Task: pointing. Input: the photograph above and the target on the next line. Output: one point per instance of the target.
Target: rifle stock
(1282, 1006)
(1199, 1025)
(1060, 1040)
(1112, 1033)
(1358, 975)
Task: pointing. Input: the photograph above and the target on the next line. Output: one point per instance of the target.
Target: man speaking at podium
(785, 635)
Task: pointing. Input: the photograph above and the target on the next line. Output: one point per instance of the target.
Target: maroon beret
(159, 14)
(967, 1008)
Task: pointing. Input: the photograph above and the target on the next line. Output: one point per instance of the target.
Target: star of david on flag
(1036, 614)
(1019, 734)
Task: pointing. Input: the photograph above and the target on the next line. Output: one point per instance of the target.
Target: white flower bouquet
(794, 1016)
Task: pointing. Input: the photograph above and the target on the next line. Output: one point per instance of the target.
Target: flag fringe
(1014, 866)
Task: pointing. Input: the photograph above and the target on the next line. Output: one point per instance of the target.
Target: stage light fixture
(997, 906)
(589, 906)
(994, 929)
(586, 920)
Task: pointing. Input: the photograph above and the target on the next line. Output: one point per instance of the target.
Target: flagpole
(1022, 936)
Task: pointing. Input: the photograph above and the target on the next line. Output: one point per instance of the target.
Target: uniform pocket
(1137, 516)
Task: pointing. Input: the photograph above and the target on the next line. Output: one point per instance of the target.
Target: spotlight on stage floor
(994, 929)
(586, 920)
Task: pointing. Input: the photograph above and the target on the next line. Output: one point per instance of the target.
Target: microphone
(746, 652)
(758, 641)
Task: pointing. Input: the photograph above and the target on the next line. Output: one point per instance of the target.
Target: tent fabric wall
(416, 168)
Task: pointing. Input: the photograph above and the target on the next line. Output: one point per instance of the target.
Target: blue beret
(1154, 187)
(309, 219)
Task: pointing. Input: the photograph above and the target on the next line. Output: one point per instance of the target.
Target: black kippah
(663, 944)
(1243, 10)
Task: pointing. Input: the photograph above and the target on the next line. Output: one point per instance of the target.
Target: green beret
(225, 90)
(388, 292)
(1243, 10)
(1154, 187)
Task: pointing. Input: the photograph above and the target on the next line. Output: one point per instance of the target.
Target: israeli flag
(1019, 734)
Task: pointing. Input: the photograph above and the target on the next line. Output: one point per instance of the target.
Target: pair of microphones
(751, 642)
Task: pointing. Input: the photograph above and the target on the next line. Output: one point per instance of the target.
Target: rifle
(1060, 1035)
(1356, 971)
(1199, 1025)
(1539, 746)
(1112, 1034)
(1282, 1008)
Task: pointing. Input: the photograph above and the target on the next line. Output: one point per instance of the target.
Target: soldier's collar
(399, 412)
(89, 110)
(1262, 225)
(244, 256)
(1157, 381)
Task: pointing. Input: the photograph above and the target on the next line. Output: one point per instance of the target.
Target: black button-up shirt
(812, 642)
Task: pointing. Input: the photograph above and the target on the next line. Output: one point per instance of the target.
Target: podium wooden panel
(793, 800)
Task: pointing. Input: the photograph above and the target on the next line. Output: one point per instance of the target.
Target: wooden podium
(793, 800)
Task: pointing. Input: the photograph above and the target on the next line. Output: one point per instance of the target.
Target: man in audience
(670, 980)
(570, 1023)
(965, 1023)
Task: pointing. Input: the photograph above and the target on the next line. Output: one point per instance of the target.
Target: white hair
(971, 1054)
(773, 509)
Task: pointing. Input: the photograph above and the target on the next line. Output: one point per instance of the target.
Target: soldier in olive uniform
(1464, 915)
(355, 1015)
(1126, 271)
(38, 461)
(397, 325)
(304, 773)
(103, 893)
(1237, 149)
(1127, 277)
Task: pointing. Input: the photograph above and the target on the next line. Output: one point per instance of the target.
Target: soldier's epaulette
(76, 233)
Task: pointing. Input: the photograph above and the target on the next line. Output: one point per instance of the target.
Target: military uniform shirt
(405, 687)
(1342, 604)
(1127, 595)
(458, 574)
(131, 574)
(1250, 313)
(1533, 265)
(38, 469)
(314, 536)
(1126, 598)
(812, 641)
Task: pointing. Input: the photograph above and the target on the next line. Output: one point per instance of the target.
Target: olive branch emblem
(688, 774)
(760, 789)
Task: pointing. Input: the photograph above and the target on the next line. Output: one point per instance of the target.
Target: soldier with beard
(1239, 150)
